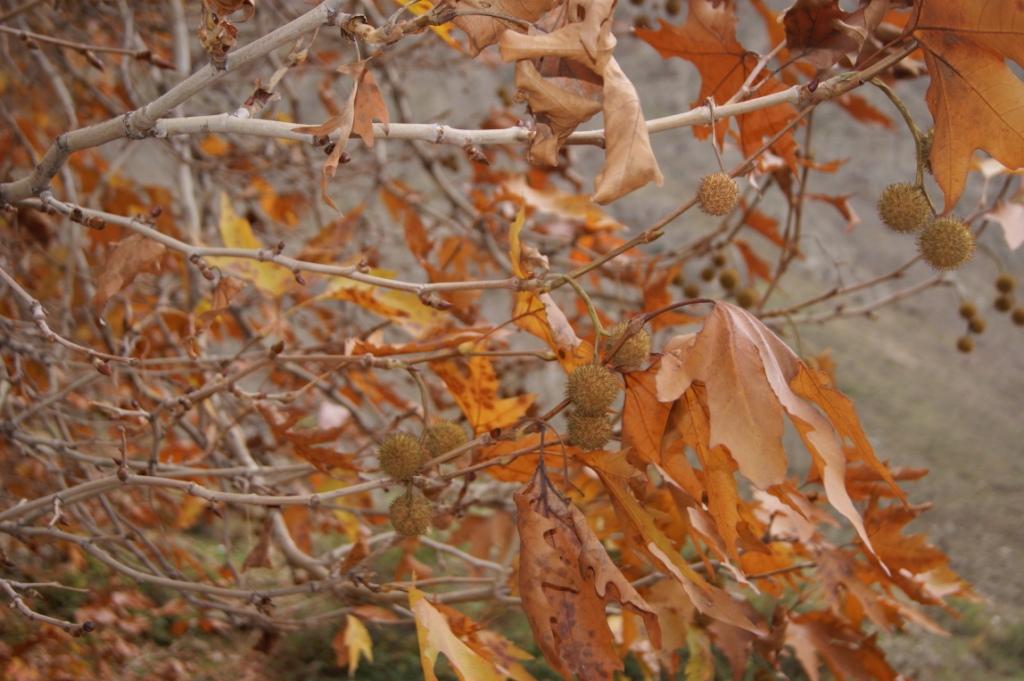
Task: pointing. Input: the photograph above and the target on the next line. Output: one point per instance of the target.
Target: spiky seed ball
(729, 279)
(1004, 303)
(968, 310)
(746, 297)
(903, 207)
(634, 351)
(718, 260)
(946, 243)
(401, 455)
(1005, 283)
(592, 389)
(443, 436)
(976, 325)
(965, 344)
(691, 290)
(411, 513)
(707, 274)
(718, 193)
(1018, 316)
(589, 432)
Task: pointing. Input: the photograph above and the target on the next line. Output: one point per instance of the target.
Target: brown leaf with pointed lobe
(368, 105)
(710, 600)
(974, 96)
(818, 637)
(587, 40)
(752, 378)
(473, 384)
(130, 257)
(644, 418)
(823, 34)
(565, 580)
(708, 40)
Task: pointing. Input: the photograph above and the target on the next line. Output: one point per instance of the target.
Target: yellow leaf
(402, 307)
(351, 643)
(436, 637)
(236, 232)
(475, 390)
(444, 31)
(515, 244)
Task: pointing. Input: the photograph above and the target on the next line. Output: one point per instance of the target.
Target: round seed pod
(1018, 316)
(592, 389)
(691, 290)
(589, 432)
(718, 194)
(976, 324)
(443, 436)
(968, 310)
(965, 344)
(903, 207)
(707, 274)
(729, 279)
(411, 513)
(746, 298)
(1003, 303)
(1005, 283)
(946, 243)
(634, 351)
(718, 260)
(401, 455)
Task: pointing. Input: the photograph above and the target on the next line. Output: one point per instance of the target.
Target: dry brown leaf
(644, 418)
(473, 384)
(823, 34)
(130, 257)
(974, 96)
(710, 600)
(848, 654)
(558, 103)
(629, 161)
(751, 377)
(484, 30)
(565, 579)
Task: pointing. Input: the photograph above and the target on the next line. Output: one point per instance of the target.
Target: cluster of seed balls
(401, 456)
(945, 243)
(1004, 303)
(592, 388)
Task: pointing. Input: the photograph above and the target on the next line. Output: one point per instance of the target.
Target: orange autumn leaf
(473, 384)
(565, 579)
(974, 95)
(130, 257)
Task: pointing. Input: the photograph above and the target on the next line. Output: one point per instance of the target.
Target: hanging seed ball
(443, 436)
(1005, 283)
(968, 310)
(641, 21)
(946, 243)
(1003, 303)
(976, 324)
(718, 194)
(691, 290)
(411, 513)
(707, 274)
(1018, 316)
(729, 279)
(401, 455)
(904, 207)
(718, 260)
(965, 344)
(746, 298)
(591, 389)
(589, 432)
(634, 351)
(672, 7)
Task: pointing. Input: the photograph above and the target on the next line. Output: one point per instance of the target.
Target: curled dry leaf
(565, 579)
(483, 31)
(559, 104)
(130, 257)
(751, 379)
